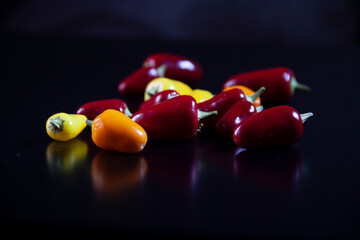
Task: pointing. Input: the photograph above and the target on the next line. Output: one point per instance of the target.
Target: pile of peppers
(173, 111)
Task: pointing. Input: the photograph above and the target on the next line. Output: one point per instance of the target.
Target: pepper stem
(151, 92)
(56, 124)
(254, 96)
(127, 112)
(295, 85)
(259, 108)
(161, 70)
(202, 114)
(305, 116)
(89, 122)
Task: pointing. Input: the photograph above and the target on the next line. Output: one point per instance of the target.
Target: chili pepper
(92, 109)
(222, 102)
(236, 113)
(63, 126)
(276, 126)
(135, 83)
(159, 98)
(161, 84)
(247, 91)
(113, 130)
(280, 83)
(177, 67)
(66, 156)
(201, 95)
(174, 119)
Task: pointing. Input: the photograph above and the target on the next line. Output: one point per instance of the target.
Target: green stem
(295, 85)
(259, 108)
(254, 96)
(127, 112)
(150, 92)
(89, 122)
(305, 116)
(56, 124)
(161, 70)
(202, 114)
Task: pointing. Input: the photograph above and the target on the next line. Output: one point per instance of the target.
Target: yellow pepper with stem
(160, 84)
(63, 126)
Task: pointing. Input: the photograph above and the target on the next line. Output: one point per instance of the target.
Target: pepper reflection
(67, 156)
(173, 165)
(113, 172)
(275, 169)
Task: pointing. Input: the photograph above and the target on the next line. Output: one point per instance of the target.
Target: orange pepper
(247, 92)
(113, 130)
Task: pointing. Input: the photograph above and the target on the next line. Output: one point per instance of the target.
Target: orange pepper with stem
(113, 130)
(247, 91)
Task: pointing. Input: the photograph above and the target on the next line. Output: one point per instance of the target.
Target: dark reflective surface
(114, 173)
(277, 169)
(202, 187)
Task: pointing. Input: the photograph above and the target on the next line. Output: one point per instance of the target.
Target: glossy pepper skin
(247, 91)
(135, 83)
(159, 98)
(161, 84)
(64, 126)
(220, 103)
(174, 119)
(273, 127)
(92, 109)
(113, 130)
(236, 113)
(177, 67)
(280, 83)
(201, 95)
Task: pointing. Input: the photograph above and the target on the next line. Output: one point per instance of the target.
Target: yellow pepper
(201, 95)
(63, 126)
(161, 84)
(66, 156)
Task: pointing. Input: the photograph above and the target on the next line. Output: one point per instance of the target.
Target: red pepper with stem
(135, 83)
(273, 127)
(222, 102)
(174, 119)
(280, 83)
(177, 67)
(159, 98)
(236, 113)
(92, 109)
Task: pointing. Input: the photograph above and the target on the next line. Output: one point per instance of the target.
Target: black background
(203, 187)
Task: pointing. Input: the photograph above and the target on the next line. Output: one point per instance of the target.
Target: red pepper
(159, 98)
(92, 109)
(135, 83)
(222, 102)
(177, 67)
(174, 119)
(280, 83)
(236, 113)
(276, 126)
